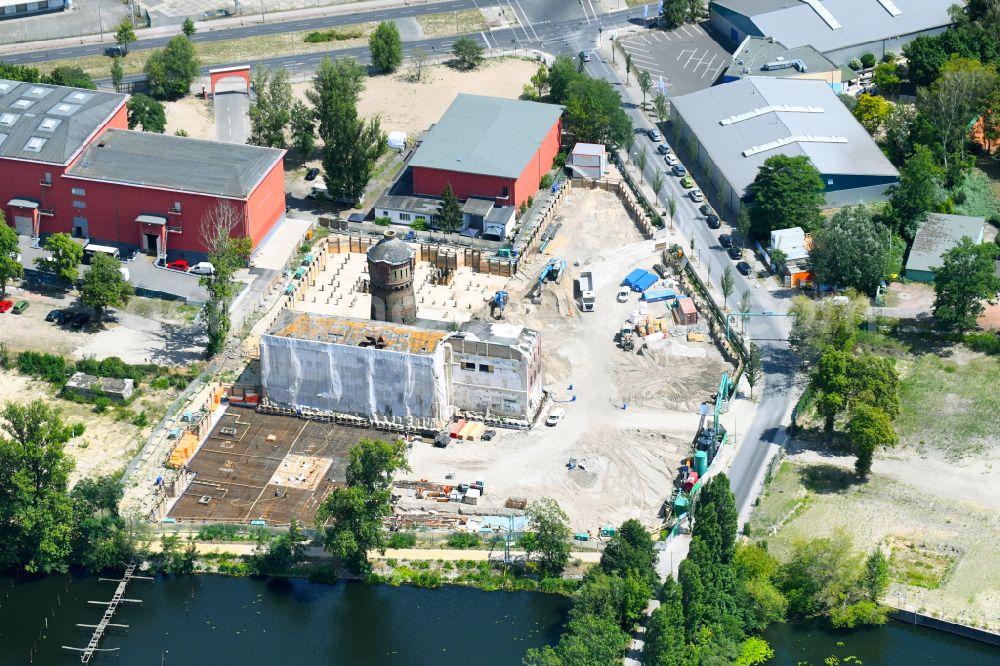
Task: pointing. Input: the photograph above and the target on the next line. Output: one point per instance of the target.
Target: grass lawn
(784, 495)
(919, 566)
(452, 23)
(949, 405)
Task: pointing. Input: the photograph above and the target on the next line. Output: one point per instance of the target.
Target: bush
(546, 182)
(855, 64)
(523, 209)
(419, 225)
(141, 420)
(464, 540)
(560, 160)
(987, 343)
(868, 60)
(890, 56)
(113, 366)
(319, 36)
(102, 404)
(383, 221)
(50, 367)
(531, 201)
(403, 540)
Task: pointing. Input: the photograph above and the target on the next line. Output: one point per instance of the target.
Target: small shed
(936, 236)
(89, 385)
(588, 160)
(687, 313)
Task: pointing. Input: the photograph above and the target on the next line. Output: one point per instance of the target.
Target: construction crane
(498, 303)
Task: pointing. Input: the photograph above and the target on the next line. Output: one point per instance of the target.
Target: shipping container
(654, 295)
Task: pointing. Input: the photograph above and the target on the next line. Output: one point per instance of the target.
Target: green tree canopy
(675, 12)
(271, 110)
(227, 253)
(117, 73)
(66, 255)
(550, 525)
(302, 125)
(188, 27)
(171, 70)
(146, 113)
(924, 57)
(851, 250)
(919, 191)
(104, 285)
(562, 74)
(594, 112)
(787, 192)
(386, 47)
(10, 267)
(74, 77)
(468, 52)
(449, 215)
(630, 549)
(869, 429)
(871, 111)
(124, 33)
(965, 278)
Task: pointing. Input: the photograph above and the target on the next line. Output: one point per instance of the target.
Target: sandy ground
(629, 456)
(906, 501)
(908, 301)
(192, 114)
(105, 446)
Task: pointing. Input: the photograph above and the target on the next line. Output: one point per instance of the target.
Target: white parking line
(693, 53)
(684, 28)
(683, 51)
(710, 63)
(629, 47)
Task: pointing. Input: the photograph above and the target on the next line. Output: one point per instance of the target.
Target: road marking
(512, 11)
(684, 28)
(693, 52)
(628, 46)
(488, 45)
(526, 20)
(656, 36)
(681, 54)
(710, 63)
(594, 11)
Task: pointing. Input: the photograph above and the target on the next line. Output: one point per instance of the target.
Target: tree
(746, 304)
(449, 215)
(875, 580)
(10, 267)
(851, 250)
(718, 494)
(660, 106)
(868, 429)
(672, 208)
(897, 132)
(538, 87)
(886, 79)
(104, 285)
(552, 535)
(124, 33)
(743, 225)
(171, 70)
(337, 84)
(689, 576)
(147, 113)
(594, 112)
(696, 9)
(754, 367)
(36, 515)
(357, 510)
(645, 82)
(818, 575)
(418, 57)
(787, 192)
(919, 191)
(674, 12)
(271, 110)
(628, 66)
(831, 383)
(561, 75)
(924, 57)
(227, 254)
(657, 183)
(642, 161)
(281, 553)
(188, 27)
(726, 284)
(102, 539)
(468, 52)
(66, 255)
(117, 73)
(630, 549)
(778, 258)
(302, 124)
(955, 99)
(754, 651)
(74, 77)
(386, 47)
(966, 277)
(664, 640)
(871, 111)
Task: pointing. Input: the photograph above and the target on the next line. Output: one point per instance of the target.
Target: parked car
(679, 170)
(623, 293)
(555, 416)
(713, 221)
(743, 267)
(706, 209)
(116, 51)
(178, 265)
(79, 320)
(312, 173)
(55, 316)
(735, 253)
(696, 195)
(488, 435)
(725, 240)
(671, 160)
(687, 182)
(6, 305)
(654, 135)
(663, 149)
(21, 306)
(202, 268)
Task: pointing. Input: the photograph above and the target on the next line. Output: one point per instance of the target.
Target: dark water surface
(895, 644)
(219, 621)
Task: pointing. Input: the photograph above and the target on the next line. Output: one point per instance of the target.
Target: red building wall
(267, 203)
(431, 182)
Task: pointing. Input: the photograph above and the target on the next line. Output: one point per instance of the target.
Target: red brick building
(69, 164)
(489, 148)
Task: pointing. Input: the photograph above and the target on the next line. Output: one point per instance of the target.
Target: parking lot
(688, 58)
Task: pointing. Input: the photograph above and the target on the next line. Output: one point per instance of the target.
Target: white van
(318, 192)
(91, 249)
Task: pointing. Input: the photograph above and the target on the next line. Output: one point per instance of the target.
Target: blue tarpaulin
(633, 277)
(644, 283)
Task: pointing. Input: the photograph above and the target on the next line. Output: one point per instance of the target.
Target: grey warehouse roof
(175, 163)
(939, 234)
(486, 135)
(44, 123)
(391, 250)
(755, 52)
(797, 23)
(802, 117)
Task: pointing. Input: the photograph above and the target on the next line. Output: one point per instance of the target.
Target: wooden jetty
(87, 653)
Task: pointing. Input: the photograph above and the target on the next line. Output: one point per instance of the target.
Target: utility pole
(261, 11)
(100, 20)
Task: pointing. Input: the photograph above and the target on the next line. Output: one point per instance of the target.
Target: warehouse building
(839, 29)
(18, 8)
(765, 56)
(731, 129)
(413, 375)
(69, 164)
(938, 234)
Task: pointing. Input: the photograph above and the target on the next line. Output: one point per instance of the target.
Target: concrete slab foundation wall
(353, 380)
(494, 386)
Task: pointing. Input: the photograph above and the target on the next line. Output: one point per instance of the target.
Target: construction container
(701, 462)
(633, 277)
(471, 496)
(644, 283)
(680, 505)
(695, 337)
(687, 313)
(690, 482)
(581, 536)
(608, 531)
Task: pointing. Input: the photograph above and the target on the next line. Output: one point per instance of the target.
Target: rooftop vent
(890, 7)
(824, 14)
(5, 87)
(8, 119)
(38, 92)
(22, 104)
(49, 124)
(63, 109)
(773, 108)
(35, 144)
(78, 97)
(784, 141)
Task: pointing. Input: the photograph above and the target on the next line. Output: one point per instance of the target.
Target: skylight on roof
(4, 87)
(22, 104)
(49, 124)
(63, 109)
(35, 144)
(8, 119)
(38, 92)
(78, 97)
(784, 141)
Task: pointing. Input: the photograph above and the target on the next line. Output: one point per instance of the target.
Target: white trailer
(587, 291)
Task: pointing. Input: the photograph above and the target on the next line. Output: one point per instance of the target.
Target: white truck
(587, 291)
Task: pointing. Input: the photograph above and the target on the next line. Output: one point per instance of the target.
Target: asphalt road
(770, 333)
(231, 119)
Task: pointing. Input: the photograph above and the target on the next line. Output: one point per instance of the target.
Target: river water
(221, 621)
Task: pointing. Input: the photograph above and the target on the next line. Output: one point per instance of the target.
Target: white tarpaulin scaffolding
(352, 379)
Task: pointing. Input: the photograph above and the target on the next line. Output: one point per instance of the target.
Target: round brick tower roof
(390, 250)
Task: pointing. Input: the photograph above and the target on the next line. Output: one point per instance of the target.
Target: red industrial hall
(489, 148)
(69, 164)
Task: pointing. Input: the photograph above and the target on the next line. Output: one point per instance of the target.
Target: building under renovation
(417, 376)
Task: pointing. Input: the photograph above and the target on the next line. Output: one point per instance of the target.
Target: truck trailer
(587, 291)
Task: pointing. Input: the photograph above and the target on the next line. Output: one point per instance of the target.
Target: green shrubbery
(320, 36)
(464, 540)
(987, 343)
(403, 540)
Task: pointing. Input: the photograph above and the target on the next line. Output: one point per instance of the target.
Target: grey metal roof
(939, 234)
(390, 250)
(175, 163)
(589, 149)
(477, 206)
(795, 23)
(702, 111)
(44, 123)
(486, 135)
(755, 52)
(408, 204)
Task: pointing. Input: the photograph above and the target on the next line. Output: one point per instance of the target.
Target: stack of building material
(182, 453)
